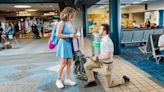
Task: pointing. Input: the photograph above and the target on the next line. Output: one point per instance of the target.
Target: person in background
(64, 50)
(135, 25)
(16, 26)
(40, 28)
(1, 30)
(161, 44)
(35, 31)
(148, 23)
(104, 61)
(9, 31)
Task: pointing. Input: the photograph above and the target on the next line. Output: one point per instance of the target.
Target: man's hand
(93, 58)
(161, 46)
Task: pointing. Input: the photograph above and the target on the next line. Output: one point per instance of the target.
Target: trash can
(96, 44)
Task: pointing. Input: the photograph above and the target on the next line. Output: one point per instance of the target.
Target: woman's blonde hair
(67, 13)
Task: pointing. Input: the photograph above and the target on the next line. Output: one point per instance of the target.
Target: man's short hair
(106, 28)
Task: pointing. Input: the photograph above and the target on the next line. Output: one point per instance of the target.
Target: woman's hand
(73, 36)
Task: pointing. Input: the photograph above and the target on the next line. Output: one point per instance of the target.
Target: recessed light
(31, 10)
(22, 6)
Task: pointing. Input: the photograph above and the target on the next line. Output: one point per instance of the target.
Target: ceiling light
(145, 0)
(50, 6)
(127, 5)
(31, 10)
(123, 6)
(102, 7)
(7, 10)
(136, 2)
(22, 6)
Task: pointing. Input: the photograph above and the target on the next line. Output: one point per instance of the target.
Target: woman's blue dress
(64, 46)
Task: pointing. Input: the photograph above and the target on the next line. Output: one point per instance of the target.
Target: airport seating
(147, 48)
(127, 36)
(155, 49)
(146, 34)
(159, 31)
(138, 36)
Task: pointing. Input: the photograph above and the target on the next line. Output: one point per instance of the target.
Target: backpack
(79, 61)
(53, 40)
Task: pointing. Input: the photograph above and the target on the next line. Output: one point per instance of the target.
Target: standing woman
(64, 48)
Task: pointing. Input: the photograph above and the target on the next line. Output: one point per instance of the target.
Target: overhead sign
(23, 13)
(28, 1)
(51, 13)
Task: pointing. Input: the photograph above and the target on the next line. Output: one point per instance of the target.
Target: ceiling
(125, 4)
(42, 6)
(59, 4)
(130, 1)
(37, 6)
(62, 3)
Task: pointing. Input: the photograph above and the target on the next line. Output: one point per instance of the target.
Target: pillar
(85, 20)
(115, 24)
(161, 18)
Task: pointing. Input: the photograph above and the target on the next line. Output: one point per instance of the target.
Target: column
(115, 24)
(85, 25)
(161, 17)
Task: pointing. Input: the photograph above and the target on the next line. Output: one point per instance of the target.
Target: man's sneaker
(59, 84)
(126, 78)
(69, 82)
(90, 84)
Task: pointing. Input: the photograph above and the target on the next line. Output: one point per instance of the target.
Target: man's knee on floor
(108, 80)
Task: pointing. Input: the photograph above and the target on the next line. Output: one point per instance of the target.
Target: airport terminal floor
(135, 27)
(32, 68)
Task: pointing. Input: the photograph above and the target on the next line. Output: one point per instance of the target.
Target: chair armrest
(156, 48)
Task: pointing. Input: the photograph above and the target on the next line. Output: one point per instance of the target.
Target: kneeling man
(103, 61)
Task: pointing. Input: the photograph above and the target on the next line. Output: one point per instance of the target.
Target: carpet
(137, 58)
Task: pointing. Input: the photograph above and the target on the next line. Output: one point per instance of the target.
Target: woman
(64, 48)
(9, 31)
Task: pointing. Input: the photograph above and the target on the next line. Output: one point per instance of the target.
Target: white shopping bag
(75, 45)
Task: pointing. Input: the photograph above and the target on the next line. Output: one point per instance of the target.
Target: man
(105, 58)
(161, 43)
(35, 31)
(135, 25)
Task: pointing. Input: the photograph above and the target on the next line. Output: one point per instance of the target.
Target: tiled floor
(140, 81)
(25, 70)
(27, 46)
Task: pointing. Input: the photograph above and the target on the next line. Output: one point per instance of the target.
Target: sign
(51, 13)
(153, 16)
(28, 1)
(23, 13)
